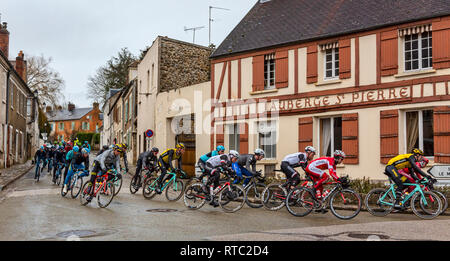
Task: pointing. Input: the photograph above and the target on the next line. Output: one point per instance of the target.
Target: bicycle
(117, 180)
(136, 182)
(174, 187)
(274, 195)
(344, 202)
(102, 188)
(227, 195)
(38, 170)
(380, 202)
(75, 183)
(253, 190)
(58, 174)
(430, 187)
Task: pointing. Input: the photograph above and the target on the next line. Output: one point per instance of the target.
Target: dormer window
(417, 48)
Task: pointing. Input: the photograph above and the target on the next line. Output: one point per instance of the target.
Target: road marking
(35, 192)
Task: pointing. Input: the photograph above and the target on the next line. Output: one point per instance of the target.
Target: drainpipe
(5, 137)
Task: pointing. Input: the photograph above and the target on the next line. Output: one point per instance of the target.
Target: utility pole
(210, 20)
(193, 29)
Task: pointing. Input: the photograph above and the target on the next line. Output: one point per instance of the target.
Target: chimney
(95, 105)
(48, 109)
(71, 106)
(59, 108)
(20, 66)
(4, 39)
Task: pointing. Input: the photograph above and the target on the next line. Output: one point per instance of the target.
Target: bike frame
(172, 179)
(104, 178)
(392, 189)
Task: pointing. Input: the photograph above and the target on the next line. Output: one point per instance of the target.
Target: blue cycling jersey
(208, 155)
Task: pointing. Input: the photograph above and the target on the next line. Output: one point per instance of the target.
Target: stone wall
(183, 64)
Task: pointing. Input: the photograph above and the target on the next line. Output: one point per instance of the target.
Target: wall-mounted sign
(149, 133)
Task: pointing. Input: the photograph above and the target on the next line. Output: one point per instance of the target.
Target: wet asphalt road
(36, 211)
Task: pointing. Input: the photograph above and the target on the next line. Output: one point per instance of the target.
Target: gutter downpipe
(5, 137)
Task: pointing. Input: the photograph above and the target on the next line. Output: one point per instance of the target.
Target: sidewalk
(9, 175)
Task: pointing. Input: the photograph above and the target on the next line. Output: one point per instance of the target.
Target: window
(233, 136)
(61, 126)
(331, 63)
(73, 125)
(126, 111)
(269, 71)
(267, 134)
(330, 135)
(418, 51)
(85, 126)
(12, 97)
(419, 131)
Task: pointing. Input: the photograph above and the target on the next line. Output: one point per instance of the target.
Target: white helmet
(234, 154)
(310, 149)
(339, 153)
(260, 152)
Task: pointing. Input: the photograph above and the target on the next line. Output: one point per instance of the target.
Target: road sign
(440, 171)
(149, 133)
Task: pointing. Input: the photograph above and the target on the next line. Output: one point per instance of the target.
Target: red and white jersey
(324, 163)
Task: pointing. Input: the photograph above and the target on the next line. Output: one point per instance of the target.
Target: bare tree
(44, 79)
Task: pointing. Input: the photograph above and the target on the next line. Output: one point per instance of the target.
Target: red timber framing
(350, 143)
(388, 135)
(441, 126)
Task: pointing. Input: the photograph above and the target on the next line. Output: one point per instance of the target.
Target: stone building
(370, 77)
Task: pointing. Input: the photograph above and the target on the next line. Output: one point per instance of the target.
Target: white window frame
(267, 71)
(332, 148)
(334, 51)
(275, 132)
(405, 139)
(59, 126)
(233, 134)
(420, 57)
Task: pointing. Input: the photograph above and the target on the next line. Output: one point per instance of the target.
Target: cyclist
(295, 160)
(315, 170)
(69, 157)
(146, 160)
(58, 159)
(401, 162)
(51, 155)
(79, 161)
(123, 147)
(110, 159)
(46, 150)
(213, 167)
(87, 145)
(242, 166)
(202, 160)
(38, 156)
(104, 148)
(165, 162)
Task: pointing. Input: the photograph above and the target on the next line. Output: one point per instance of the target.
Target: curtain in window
(326, 137)
(412, 129)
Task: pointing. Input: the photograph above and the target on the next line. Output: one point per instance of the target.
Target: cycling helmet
(259, 152)
(42, 147)
(234, 154)
(220, 148)
(119, 148)
(339, 154)
(423, 163)
(85, 151)
(417, 152)
(76, 149)
(310, 149)
(180, 146)
(155, 149)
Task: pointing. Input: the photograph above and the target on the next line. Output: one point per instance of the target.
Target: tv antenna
(211, 20)
(193, 29)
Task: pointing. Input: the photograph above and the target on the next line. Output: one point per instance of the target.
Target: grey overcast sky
(81, 35)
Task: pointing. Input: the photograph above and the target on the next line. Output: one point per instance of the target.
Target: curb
(15, 178)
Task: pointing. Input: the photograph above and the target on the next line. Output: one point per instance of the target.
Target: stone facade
(182, 64)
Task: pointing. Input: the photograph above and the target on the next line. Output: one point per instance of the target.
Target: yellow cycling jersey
(401, 161)
(166, 153)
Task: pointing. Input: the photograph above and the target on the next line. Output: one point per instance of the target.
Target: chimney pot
(4, 40)
(71, 106)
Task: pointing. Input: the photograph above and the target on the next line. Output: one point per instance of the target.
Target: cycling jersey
(208, 155)
(295, 160)
(246, 161)
(80, 159)
(223, 160)
(169, 155)
(404, 161)
(108, 160)
(318, 166)
(147, 158)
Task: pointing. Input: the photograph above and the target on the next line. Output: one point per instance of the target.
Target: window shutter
(441, 125)
(220, 138)
(350, 138)
(281, 69)
(344, 59)
(389, 53)
(311, 66)
(243, 138)
(441, 44)
(305, 132)
(258, 73)
(388, 135)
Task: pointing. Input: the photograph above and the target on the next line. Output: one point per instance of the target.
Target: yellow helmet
(417, 151)
(119, 148)
(180, 146)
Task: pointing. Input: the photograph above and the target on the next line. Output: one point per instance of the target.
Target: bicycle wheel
(379, 202)
(427, 206)
(38, 174)
(135, 184)
(273, 197)
(300, 202)
(253, 195)
(232, 198)
(58, 179)
(443, 199)
(77, 183)
(174, 190)
(85, 193)
(345, 204)
(117, 185)
(148, 189)
(194, 196)
(106, 194)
